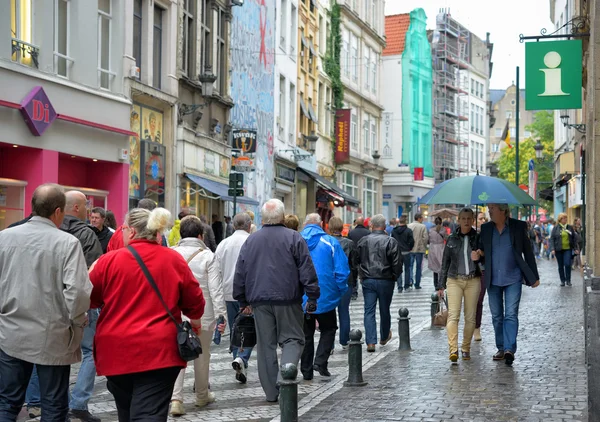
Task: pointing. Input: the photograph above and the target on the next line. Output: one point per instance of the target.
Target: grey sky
(504, 20)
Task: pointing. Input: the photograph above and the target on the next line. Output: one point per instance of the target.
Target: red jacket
(134, 332)
(116, 241)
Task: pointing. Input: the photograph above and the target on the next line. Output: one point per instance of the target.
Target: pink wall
(35, 166)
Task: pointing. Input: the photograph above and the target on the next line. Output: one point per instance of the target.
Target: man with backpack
(406, 241)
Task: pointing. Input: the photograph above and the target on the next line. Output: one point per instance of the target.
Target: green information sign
(553, 75)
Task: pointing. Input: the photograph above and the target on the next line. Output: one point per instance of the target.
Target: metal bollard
(404, 329)
(355, 378)
(288, 393)
(435, 306)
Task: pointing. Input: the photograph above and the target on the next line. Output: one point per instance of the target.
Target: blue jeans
(504, 306)
(563, 258)
(233, 308)
(53, 382)
(84, 386)
(377, 290)
(406, 260)
(32, 397)
(418, 258)
(344, 317)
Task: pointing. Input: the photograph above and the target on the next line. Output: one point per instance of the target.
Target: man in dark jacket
(97, 218)
(273, 272)
(379, 267)
(209, 235)
(406, 241)
(355, 235)
(509, 261)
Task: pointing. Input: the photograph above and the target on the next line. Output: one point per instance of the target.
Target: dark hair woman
(437, 240)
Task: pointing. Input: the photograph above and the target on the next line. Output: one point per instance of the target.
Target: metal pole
(516, 213)
(234, 203)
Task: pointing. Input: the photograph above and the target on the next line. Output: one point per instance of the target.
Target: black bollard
(404, 329)
(288, 393)
(355, 378)
(435, 306)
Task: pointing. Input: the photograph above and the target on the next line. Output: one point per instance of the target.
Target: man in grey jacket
(44, 328)
(421, 238)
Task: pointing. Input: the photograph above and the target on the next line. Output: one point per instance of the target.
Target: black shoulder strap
(139, 260)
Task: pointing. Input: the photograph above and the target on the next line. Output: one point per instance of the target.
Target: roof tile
(396, 27)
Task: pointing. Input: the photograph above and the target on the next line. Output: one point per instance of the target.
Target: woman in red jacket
(135, 344)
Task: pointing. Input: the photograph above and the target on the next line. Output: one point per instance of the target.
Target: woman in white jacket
(200, 259)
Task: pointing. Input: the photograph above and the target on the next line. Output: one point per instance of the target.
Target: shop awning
(219, 189)
(348, 199)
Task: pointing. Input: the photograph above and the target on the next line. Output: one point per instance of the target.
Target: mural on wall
(152, 125)
(252, 87)
(134, 152)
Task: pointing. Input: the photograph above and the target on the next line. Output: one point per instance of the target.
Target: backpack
(243, 333)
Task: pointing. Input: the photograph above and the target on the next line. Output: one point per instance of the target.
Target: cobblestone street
(548, 380)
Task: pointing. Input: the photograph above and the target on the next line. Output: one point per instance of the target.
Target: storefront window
(301, 200)
(369, 197)
(12, 202)
(349, 184)
(195, 200)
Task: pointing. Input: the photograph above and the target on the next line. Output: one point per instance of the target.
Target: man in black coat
(355, 235)
(97, 219)
(406, 241)
(506, 251)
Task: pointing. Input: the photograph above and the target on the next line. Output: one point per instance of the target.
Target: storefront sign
(342, 136)
(243, 164)
(387, 134)
(574, 192)
(153, 171)
(418, 173)
(244, 140)
(286, 173)
(134, 152)
(553, 72)
(38, 111)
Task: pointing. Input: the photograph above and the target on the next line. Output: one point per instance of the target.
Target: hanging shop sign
(244, 140)
(38, 111)
(342, 136)
(553, 72)
(243, 164)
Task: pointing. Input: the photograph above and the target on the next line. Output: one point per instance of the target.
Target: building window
(62, 61)
(527, 134)
(105, 75)
(498, 132)
(354, 52)
(293, 37)
(349, 184)
(472, 156)
(204, 34)
(346, 52)
(354, 130)
(187, 64)
(137, 35)
(367, 60)
(283, 25)
(292, 122)
(374, 146)
(495, 147)
(370, 197)
(157, 48)
(374, 16)
(513, 133)
(281, 122)
(476, 88)
(472, 117)
(367, 10)
(221, 54)
(375, 59)
(481, 127)
(509, 114)
(21, 36)
(366, 134)
(328, 113)
(472, 86)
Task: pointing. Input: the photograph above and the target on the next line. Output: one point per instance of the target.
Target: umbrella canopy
(477, 190)
(444, 213)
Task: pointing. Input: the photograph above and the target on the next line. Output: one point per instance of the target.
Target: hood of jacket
(313, 234)
(400, 229)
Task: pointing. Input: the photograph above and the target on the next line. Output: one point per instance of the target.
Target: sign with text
(553, 72)
(244, 140)
(243, 164)
(37, 111)
(387, 134)
(342, 136)
(418, 173)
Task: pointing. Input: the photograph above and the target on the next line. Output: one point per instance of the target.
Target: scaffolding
(451, 49)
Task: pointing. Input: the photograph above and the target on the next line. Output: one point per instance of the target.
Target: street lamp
(578, 127)
(311, 142)
(493, 168)
(539, 151)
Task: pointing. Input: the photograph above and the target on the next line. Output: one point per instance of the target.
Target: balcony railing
(25, 53)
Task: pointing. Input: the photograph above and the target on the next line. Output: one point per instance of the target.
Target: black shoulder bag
(244, 331)
(187, 341)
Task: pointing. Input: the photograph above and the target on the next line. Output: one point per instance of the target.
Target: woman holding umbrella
(460, 276)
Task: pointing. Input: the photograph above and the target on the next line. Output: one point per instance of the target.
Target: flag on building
(506, 134)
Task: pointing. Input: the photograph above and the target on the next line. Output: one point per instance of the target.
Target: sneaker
(384, 342)
(83, 416)
(499, 355)
(562, 284)
(34, 411)
(210, 398)
(307, 376)
(322, 371)
(509, 357)
(477, 334)
(569, 283)
(418, 287)
(177, 408)
(466, 355)
(453, 357)
(240, 370)
(370, 348)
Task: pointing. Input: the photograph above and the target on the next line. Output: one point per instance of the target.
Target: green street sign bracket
(577, 26)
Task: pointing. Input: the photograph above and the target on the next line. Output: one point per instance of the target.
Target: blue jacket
(331, 264)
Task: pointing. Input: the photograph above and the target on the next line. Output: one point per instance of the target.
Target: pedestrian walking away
(201, 261)
(226, 257)
(44, 329)
(437, 240)
(509, 261)
(481, 220)
(460, 277)
(379, 267)
(336, 225)
(358, 232)
(406, 241)
(565, 245)
(331, 265)
(135, 344)
(273, 272)
(421, 237)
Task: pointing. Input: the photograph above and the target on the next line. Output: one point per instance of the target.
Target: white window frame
(283, 25)
(187, 62)
(374, 146)
(205, 32)
(354, 56)
(353, 130)
(282, 103)
(369, 192)
(110, 74)
(366, 133)
(351, 189)
(292, 120)
(220, 52)
(294, 31)
(367, 59)
(58, 56)
(375, 59)
(346, 52)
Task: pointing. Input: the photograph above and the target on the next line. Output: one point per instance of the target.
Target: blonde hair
(291, 222)
(560, 216)
(251, 214)
(148, 224)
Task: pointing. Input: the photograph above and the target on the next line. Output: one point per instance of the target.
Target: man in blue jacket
(331, 265)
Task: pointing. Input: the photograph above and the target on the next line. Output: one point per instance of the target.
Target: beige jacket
(420, 235)
(206, 271)
(44, 293)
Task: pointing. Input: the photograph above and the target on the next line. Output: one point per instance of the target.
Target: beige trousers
(458, 289)
(201, 367)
